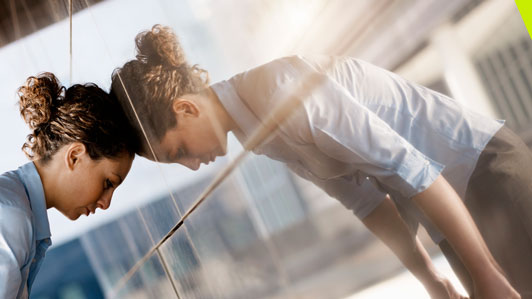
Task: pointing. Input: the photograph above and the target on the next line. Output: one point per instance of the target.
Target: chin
(73, 217)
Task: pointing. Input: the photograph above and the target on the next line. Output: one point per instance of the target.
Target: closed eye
(180, 153)
(108, 184)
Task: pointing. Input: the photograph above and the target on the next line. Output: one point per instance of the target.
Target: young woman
(374, 141)
(81, 149)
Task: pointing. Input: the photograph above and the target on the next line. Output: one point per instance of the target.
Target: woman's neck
(48, 179)
(226, 121)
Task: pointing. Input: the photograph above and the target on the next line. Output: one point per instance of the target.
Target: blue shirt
(24, 230)
(362, 132)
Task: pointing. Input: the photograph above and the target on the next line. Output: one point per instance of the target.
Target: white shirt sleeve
(345, 130)
(15, 242)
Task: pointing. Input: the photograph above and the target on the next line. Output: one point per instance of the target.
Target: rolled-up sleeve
(15, 241)
(347, 131)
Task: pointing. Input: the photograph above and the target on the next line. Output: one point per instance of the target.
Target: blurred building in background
(263, 233)
(67, 274)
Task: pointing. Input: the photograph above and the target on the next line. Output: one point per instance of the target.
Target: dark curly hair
(158, 75)
(82, 113)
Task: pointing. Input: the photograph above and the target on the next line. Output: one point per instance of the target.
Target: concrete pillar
(460, 73)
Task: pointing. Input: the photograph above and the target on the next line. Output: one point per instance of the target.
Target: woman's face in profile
(192, 142)
(90, 184)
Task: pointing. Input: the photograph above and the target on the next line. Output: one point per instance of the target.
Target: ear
(185, 107)
(74, 154)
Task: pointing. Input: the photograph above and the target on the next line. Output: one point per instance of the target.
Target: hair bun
(159, 46)
(38, 98)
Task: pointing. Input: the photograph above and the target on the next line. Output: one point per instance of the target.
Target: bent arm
(386, 223)
(446, 210)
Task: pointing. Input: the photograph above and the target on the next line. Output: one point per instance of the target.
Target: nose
(105, 200)
(222, 152)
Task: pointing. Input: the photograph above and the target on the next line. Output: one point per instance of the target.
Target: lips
(213, 156)
(87, 212)
(208, 159)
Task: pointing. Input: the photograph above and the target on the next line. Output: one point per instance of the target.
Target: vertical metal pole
(70, 51)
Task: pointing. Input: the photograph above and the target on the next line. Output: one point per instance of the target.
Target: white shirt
(362, 132)
(24, 230)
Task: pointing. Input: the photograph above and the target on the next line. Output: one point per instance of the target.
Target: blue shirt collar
(32, 182)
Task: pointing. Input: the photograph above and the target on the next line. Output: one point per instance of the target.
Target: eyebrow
(120, 182)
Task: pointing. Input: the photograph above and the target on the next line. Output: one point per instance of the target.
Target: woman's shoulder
(13, 194)
(267, 79)
(16, 222)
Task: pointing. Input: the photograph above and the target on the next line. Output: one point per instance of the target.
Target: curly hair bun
(159, 46)
(38, 98)
(82, 113)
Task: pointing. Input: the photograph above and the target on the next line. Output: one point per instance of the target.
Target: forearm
(386, 223)
(446, 210)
